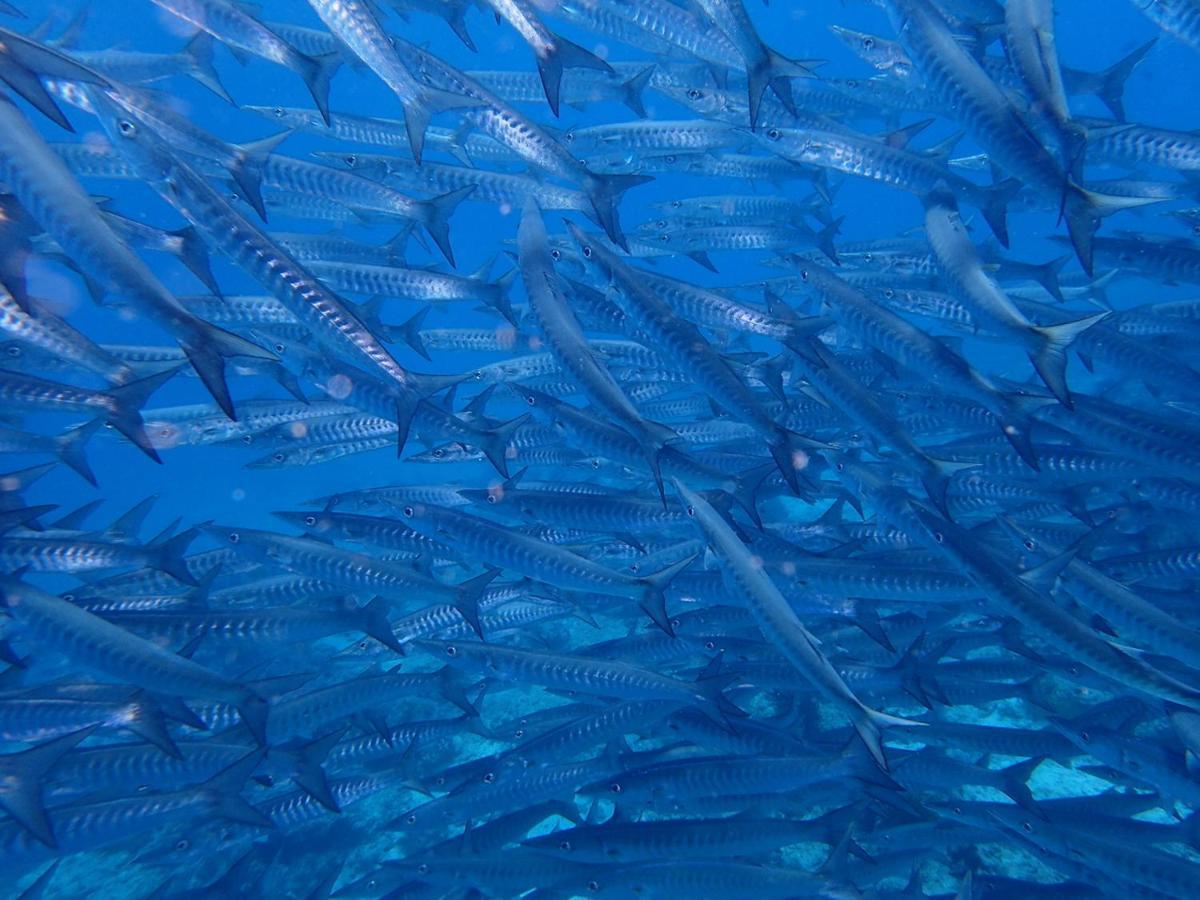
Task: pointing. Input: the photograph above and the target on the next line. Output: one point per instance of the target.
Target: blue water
(210, 483)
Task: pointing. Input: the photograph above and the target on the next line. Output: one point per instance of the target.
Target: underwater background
(786, 488)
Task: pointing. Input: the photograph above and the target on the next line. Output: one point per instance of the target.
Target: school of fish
(685, 548)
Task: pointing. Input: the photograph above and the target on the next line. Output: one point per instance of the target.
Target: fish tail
(633, 89)
(285, 379)
(146, 721)
(655, 464)
(495, 442)
(1084, 209)
(436, 218)
(1014, 782)
(1111, 87)
(308, 772)
(1016, 424)
(207, 349)
(658, 432)
(223, 789)
(24, 774)
(1050, 356)
(253, 709)
(455, 15)
(200, 50)
(654, 601)
(317, 72)
(406, 410)
(824, 239)
(564, 54)
(246, 169)
(993, 205)
(128, 400)
(469, 594)
(774, 71)
(869, 725)
(375, 624)
(167, 556)
(193, 253)
(604, 193)
(410, 332)
(1046, 274)
(419, 112)
(70, 449)
(791, 452)
(498, 297)
(936, 480)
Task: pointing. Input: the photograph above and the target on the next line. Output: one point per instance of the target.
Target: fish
(601, 448)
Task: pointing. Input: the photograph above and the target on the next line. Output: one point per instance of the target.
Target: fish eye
(423, 869)
(593, 885)
(278, 457)
(556, 255)
(1029, 544)
(1027, 827)
(670, 159)
(279, 348)
(852, 83)
(14, 351)
(691, 511)
(520, 733)
(695, 94)
(310, 520)
(661, 223)
(841, 467)
(234, 537)
(635, 568)
(531, 401)
(491, 498)
(489, 778)
(587, 252)
(804, 274)
(350, 159)
(709, 645)
(362, 645)
(595, 464)
(411, 820)
(452, 650)
(247, 439)
(279, 112)
(408, 512)
(938, 537)
(868, 43)
(564, 845)
(127, 128)
(182, 844)
(889, 294)
(615, 787)
(1085, 737)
